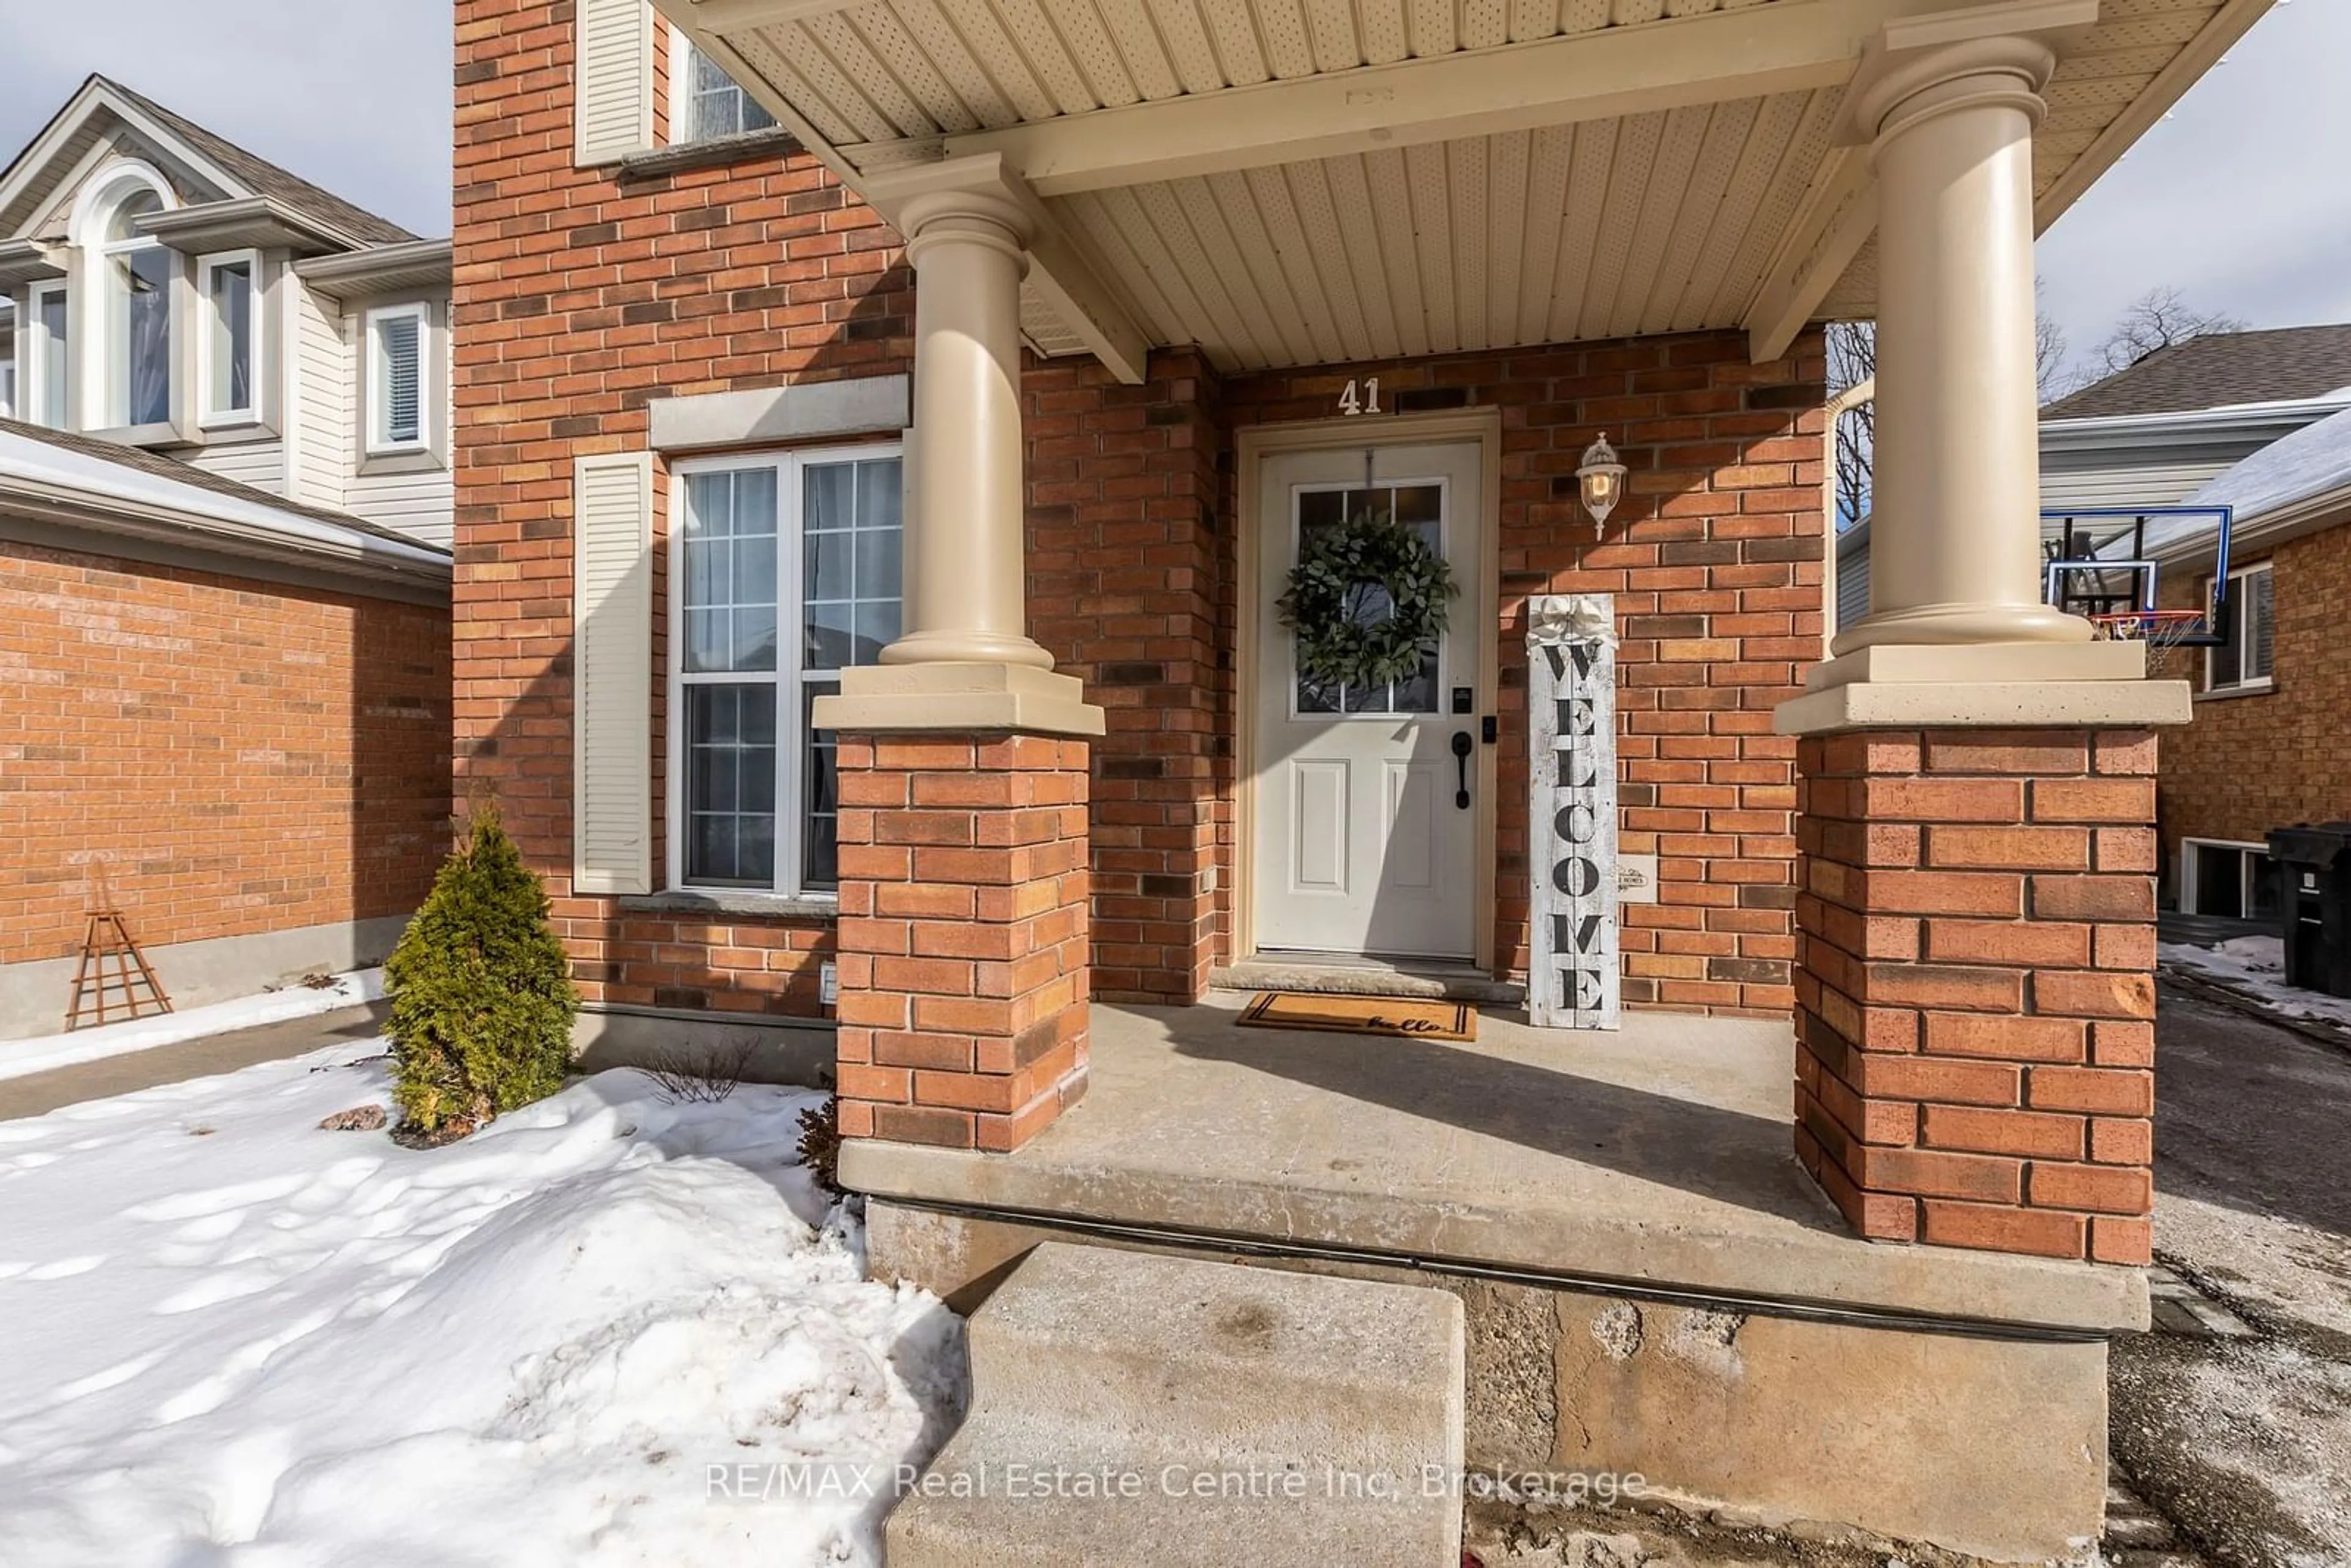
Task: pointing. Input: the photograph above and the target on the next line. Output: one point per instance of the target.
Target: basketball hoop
(2156, 628)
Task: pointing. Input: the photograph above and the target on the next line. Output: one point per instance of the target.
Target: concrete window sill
(718, 153)
(715, 901)
(2250, 689)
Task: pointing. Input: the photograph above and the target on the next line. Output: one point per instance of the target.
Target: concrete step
(1129, 1407)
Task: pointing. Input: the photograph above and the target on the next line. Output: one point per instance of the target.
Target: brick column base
(1975, 986)
(963, 938)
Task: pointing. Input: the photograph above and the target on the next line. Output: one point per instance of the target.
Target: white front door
(1363, 841)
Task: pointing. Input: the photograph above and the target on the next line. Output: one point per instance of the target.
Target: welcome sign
(1573, 979)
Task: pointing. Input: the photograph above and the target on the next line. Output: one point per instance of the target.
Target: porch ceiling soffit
(1191, 160)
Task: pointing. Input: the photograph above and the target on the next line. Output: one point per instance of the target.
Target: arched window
(132, 275)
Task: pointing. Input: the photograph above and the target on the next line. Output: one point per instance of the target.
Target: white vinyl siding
(612, 84)
(612, 673)
(420, 502)
(2129, 485)
(326, 405)
(260, 463)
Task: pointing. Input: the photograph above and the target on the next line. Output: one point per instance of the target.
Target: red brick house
(873, 535)
(224, 561)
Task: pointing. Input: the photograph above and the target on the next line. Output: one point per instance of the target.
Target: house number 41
(1360, 397)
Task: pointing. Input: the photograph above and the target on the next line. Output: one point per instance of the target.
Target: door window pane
(1422, 506)
(730, 737)
(230, 286)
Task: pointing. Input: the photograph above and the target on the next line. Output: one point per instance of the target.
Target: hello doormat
(1396, 1016)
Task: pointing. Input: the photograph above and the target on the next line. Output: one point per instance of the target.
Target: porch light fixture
(1603, 479)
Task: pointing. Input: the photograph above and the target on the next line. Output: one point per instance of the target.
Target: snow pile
(2255, 966)
(19, 1057)
(237, 1340)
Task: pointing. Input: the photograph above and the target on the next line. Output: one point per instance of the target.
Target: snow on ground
(236, 1341)
(19, 1057)
(2256, 966)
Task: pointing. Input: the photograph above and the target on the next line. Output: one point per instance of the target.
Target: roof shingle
(2220, 368)
(268, 179)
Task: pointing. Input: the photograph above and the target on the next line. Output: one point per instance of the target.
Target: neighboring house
(872, 536)
(225, 516)
(172, 291)
(2153, 434)
(2252, 420)
(2266, 749)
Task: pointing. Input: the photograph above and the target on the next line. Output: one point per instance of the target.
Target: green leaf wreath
(1367, 601)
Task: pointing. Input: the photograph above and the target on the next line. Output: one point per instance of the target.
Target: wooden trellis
(113, 984)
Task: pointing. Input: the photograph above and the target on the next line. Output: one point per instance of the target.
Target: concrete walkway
(37, 1094)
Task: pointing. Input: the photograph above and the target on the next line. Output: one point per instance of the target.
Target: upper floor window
(48, 357)
(397, 350)
(713, 104)
(2244, 662)
(224, 297)
(134, 274)
(7, 364)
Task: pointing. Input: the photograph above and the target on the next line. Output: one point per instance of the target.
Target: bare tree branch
(2157, 319)
(1853, 360)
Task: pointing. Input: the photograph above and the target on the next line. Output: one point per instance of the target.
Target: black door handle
(1461, 748)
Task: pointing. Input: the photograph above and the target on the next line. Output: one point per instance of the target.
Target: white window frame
(791, 735)
(39, 359)
(379, 442)
(207, 416)
(9, 356)
(2190, 884)
(2241, 633)
(101, 351)
(684, 127)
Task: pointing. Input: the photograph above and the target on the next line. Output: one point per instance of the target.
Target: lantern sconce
(1602, 478)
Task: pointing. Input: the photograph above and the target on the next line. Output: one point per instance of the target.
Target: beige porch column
(963, 768)
(964, 660)
(1955, 548)
(1975, 914)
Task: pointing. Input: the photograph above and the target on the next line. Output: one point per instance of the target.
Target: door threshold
(1355, 975)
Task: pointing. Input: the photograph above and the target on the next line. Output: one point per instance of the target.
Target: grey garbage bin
(2315, 911)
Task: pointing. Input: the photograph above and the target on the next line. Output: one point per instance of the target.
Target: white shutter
(612, 81)
(612, 673)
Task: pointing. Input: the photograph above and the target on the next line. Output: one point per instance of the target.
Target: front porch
(1655, 1161)
(1652, 1285)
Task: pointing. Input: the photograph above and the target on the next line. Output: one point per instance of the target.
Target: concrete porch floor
(1657, 1159)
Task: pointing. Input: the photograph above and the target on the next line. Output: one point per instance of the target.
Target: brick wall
(1976, 1004)
(964, 942)
(241, 757)
(2206, 791)
(1129, 570)
(1716, 560)
(579, 295)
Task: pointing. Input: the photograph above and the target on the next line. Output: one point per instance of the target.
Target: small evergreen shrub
(481, 999)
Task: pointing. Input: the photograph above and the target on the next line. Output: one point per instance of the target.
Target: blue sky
(2241, 198)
